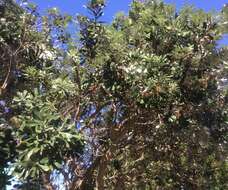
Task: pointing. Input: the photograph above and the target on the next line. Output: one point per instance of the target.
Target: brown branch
(6, 81)
(94, 115)
(102, 169)
(46, 181)
(100, 164)
(82, 184)
(10, 68)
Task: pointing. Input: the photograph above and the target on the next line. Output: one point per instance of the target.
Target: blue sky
(113, 6)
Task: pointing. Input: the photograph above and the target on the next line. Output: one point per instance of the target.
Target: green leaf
(58, 165)
(44, 167)
(31, 153)
(44, 160)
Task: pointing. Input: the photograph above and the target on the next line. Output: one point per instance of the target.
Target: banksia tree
(140, 103)
(158, 115)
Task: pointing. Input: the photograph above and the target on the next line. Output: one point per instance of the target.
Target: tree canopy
(139, 103)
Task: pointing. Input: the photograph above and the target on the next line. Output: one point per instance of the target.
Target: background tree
(140, 103)
(37, 135)
(159, 118)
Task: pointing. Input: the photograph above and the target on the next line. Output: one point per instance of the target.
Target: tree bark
(46, 182)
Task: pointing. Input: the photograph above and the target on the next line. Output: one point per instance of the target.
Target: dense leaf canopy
(140, 103)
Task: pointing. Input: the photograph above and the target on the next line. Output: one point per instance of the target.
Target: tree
(145, 93)
(36, 134)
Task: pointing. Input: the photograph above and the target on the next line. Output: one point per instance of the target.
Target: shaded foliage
(140, 103)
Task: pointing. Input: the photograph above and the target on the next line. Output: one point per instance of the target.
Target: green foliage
(37, 136)
(159, 72)
(45, 138)
(7, 152)
(140, 103)
(224, 19)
